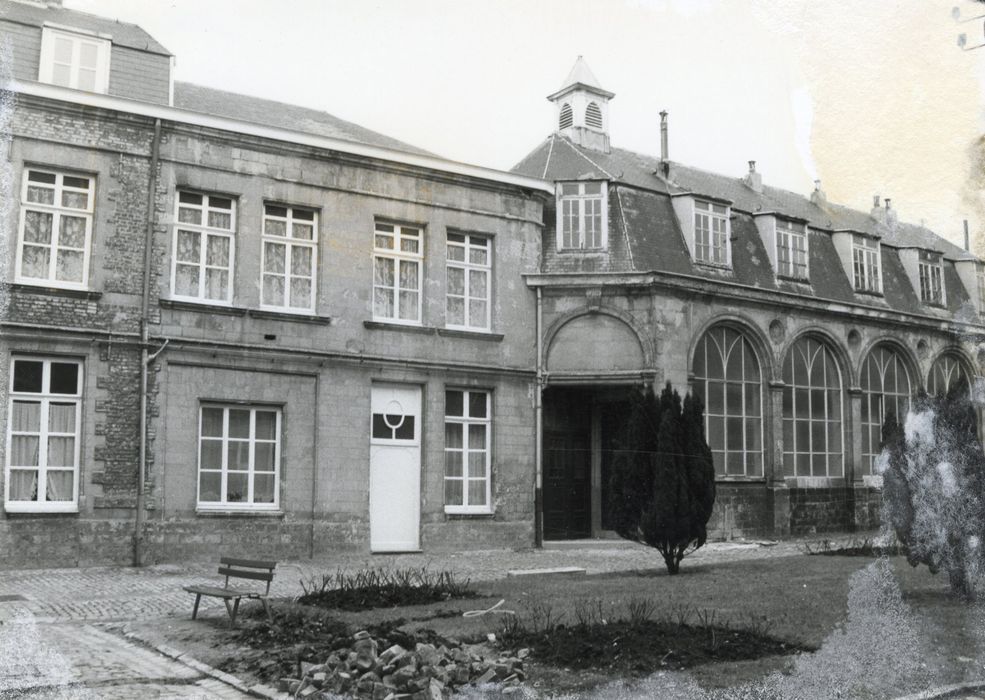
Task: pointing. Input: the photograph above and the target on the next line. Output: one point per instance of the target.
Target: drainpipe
(145, 358)
(539, 431)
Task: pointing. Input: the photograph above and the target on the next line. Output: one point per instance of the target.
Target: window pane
(41, 195)
(216, 284)
(454, 403)
(383, 272)
(61, 75)
(477, 492)
(273, 290)
(236, 487)
(239, 423)
(59, 485)
(477, 465)
(61, 418)
(23, 485)
(409, 245)
(477, 404)
(210, 454)
(209, 485)
(37, 227)
(477, 437)
(187, 215)
(456, 311)
(72, 232)
(75, 200)
(408, 306)
(405, 431)
(238, 455)
(456, 253)
(263, 488)
(477, 283)
(301, 261)
(274, 255)
(35, 262)
(478, 256)
(70, 266)
(37, 176)
(264, 457)
(218, 219)
(28, 375)
(453, 492)
(25, 450)
(25, 417)
(186, 280)
(212, 422)
(217, 252)
(477, 314)
(304, 232)
(86, 79)
(300, 293)
(61, 452)
(408, 275)
(266, 425)
(456, 280)
(385, 242)
(383, 303)
(189, 249)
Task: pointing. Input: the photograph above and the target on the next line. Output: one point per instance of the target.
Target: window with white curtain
(711, 233)
(468, 267)
(791, 249)
(55, 233)
(204, 248)
(74, 60)
(865, 264)
(468, 424)
(289, 258)
(398, 253)
(581, 216)
(43, 434)
(239, 457)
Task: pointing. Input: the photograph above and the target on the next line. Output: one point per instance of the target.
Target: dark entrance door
(567, 466)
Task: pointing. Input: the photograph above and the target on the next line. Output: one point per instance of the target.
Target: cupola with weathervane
(583, 108)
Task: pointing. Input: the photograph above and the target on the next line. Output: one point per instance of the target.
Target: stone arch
(745, 326)
(849, 376)
(622, 346)
(905, 352)
(963, 359)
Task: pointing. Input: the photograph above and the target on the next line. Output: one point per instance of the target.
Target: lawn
(801, 600)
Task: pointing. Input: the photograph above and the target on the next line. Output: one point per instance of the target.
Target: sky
(869, 96)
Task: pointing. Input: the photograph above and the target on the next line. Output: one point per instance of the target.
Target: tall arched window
(812, 408)
(948, 374)
(886, 388)
(728, 379)
(593, 116)
(565, 118)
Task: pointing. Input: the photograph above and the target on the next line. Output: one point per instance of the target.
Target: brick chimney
(877, 213)
(753, 179)
(817, 196)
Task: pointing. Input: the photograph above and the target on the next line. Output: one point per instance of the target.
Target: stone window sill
(287, 316)
(240, 513)
(432, 330)
(203, 307)
(86, 294)
(815, 482)
(465, 515)
(740, 479)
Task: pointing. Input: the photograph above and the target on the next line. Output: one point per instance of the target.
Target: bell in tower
(583, 108)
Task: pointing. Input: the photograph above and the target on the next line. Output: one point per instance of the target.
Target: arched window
(728, 379)
(593, 116)
(564, 121)
(948, 374)
(886, 388)
(812, 407)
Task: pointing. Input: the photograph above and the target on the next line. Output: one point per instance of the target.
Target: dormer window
(711, 233)
(791, 249)
(865, 264)
(74, 60)
(582, 218)
(931, 278)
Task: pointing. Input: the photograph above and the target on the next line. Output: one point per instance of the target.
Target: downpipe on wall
(145, 357)
(539, 430)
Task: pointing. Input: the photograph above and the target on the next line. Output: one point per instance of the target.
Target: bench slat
(218, 592)
(249, 563)
(239, 573)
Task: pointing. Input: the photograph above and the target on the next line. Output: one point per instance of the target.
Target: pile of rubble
(427, 672)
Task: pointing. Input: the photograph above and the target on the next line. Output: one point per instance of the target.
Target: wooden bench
(249, 569)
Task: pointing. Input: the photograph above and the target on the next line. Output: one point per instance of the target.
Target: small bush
(865, 547)
(383, 588)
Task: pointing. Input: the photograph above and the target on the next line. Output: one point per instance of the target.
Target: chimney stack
(664, 144)
(967, 241)
(890, 216)
(753, 179)
(877, 213)
(817, 196)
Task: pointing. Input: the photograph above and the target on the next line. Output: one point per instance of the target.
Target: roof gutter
(184, 116)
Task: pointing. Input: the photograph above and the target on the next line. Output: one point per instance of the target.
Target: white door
(395, 468)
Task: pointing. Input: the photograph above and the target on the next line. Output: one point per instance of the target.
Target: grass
(383, 588)
(865, 547)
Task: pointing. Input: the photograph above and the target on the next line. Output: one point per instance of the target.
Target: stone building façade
(295, 336)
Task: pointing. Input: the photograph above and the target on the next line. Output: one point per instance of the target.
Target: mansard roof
(122, 33)
(220, 103)
(643, 217)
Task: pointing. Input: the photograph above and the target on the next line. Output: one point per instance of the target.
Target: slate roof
(123, 34)
(642, 211)
(206, 100)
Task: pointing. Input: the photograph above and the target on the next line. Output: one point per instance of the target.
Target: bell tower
(582, 108)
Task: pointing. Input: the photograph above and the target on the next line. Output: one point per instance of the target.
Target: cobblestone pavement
(58, 640)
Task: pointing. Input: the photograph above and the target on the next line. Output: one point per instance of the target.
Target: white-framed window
(468, 428)
(204, 247)
(73, 60)
(289, 258)
(397, 257)
(581, 216)
(728, 379)
(55, 233)
(812, 409)
(931, 278)
(238, 457)
(711, 233)
(865, 264)
(469, 263)
(791, 249)
(44, 426)
(886, 389)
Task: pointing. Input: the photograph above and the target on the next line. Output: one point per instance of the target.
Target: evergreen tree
(662, 484)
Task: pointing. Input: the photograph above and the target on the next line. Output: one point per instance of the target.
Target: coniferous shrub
(933, 494)
(662, 480)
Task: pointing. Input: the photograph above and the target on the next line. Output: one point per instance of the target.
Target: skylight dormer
(787, 245)
(707, 228)
(582, 216)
